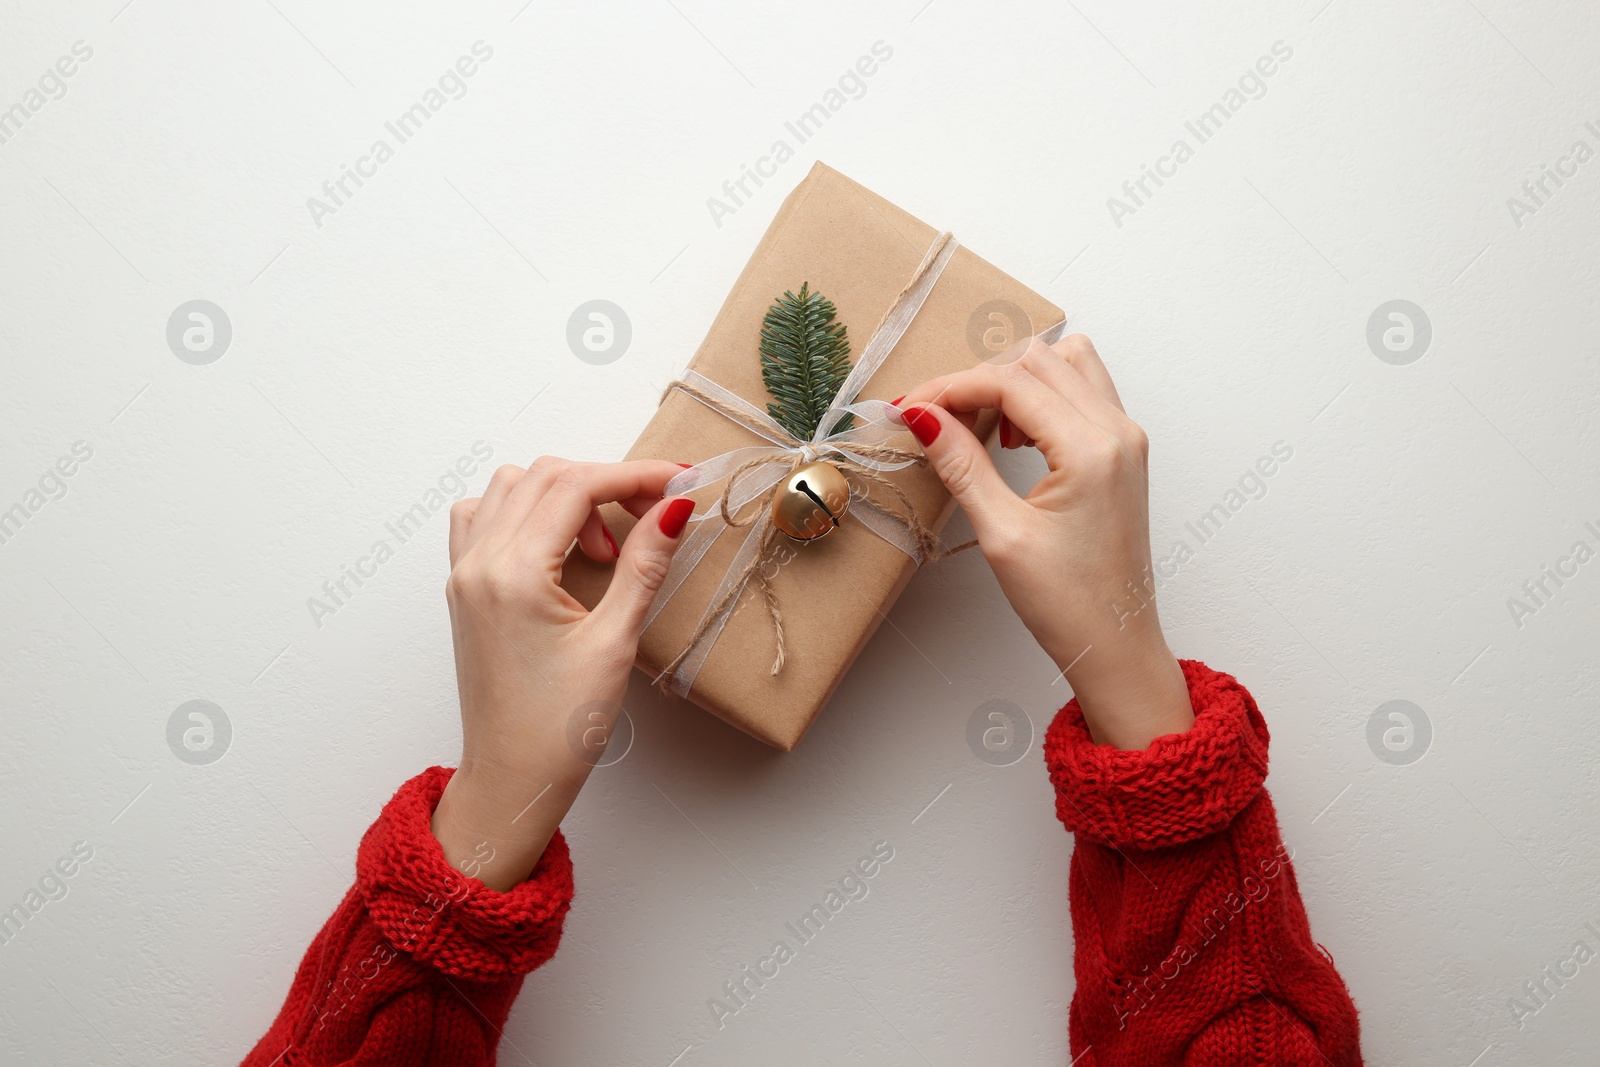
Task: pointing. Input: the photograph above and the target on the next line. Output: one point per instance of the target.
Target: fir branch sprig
(805, 357)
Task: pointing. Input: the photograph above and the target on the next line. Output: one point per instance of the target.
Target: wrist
(1133, 694)
(494, 826)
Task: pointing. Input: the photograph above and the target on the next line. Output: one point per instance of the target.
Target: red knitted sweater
(1192, 946)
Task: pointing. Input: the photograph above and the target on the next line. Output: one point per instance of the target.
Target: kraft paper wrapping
(859, 251)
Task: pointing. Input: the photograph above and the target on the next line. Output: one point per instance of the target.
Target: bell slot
(806, 489)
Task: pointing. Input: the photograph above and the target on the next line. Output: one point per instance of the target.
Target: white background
(424, 315)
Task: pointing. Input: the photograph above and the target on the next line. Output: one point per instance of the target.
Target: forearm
(418, 956)
(493, 821)
(1130, 689)
(1192, 945)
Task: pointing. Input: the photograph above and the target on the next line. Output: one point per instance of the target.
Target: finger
(1049, 366)
(575, 489)
(638, 505)
(461, 513)
(963, 464)
(595, 538)
(1010, 436)
(1080, 352)
(504, 479)
(610, 481)
(542, 473)
(1099, 409)
(969, 419)
(1031, 406)
(646, 557)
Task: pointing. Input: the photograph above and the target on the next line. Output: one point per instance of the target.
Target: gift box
(860, 250)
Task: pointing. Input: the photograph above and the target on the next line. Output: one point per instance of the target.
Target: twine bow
(863, 453)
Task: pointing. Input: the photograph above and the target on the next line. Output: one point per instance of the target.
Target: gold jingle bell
(809, 503)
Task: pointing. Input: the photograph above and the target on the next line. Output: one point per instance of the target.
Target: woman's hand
(540, 678)
(1073, 556)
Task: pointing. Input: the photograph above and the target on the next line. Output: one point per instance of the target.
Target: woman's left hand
(540, 678)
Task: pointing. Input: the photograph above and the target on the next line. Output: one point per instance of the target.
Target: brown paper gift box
(859, 250)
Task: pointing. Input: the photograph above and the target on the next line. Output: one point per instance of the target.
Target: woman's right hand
(1073, 555)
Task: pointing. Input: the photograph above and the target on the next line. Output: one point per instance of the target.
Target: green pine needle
(805, 357)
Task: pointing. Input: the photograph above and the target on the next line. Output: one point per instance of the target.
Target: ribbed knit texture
(419, 965)
(1192, 947)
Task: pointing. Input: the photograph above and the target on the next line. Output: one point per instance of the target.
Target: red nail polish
(611, 542)
(1008, 438)
(923, 424)
(676, 516)
(686, 466)
(896, 400)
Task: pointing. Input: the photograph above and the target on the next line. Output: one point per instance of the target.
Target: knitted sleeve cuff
(442, 918)
(1183, 787)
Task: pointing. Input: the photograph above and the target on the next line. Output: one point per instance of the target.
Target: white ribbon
(876, 421)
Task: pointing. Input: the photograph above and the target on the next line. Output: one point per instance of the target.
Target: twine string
(861, 454)
(759, 567)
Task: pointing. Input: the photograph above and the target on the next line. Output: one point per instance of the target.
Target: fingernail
(896, 401)
(923, 424)
(686, 466)
(676, 516)
(611, 542)
(1007, 436)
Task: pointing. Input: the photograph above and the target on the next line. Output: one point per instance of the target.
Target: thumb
(642, 566)
(961, 462)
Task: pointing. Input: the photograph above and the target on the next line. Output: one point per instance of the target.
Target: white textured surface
(372, 351)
